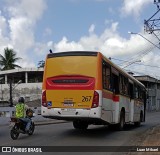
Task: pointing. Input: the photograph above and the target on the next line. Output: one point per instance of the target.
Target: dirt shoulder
(149, 138)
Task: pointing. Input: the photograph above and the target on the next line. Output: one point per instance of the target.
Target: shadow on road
(98, 131)
(130, 127)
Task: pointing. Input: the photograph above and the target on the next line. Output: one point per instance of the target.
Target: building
(26, 82)
(153, 90)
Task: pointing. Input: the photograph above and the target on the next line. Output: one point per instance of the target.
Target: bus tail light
(95, 102)
(44, 100)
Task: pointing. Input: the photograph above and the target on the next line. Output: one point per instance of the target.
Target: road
(65, 135)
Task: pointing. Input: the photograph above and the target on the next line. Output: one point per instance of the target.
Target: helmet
(21, 100)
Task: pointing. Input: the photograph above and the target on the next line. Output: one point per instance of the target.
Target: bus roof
(72, 53)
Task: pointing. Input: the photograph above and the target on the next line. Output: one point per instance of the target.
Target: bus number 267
(86, 98)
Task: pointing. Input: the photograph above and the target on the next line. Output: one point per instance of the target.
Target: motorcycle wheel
(14, 133)
(31, 129)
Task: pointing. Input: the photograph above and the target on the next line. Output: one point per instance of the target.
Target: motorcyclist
(21, 109)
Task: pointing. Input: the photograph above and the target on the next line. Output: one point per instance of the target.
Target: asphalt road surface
(65, 135)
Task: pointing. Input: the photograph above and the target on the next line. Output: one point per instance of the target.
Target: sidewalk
(38, 120)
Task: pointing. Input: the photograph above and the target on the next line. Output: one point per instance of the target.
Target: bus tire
(80, 125)
(120, 125)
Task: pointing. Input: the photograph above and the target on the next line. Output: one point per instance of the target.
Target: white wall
(32, 91)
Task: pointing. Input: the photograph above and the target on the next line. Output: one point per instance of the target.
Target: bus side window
(114, 80)
(106, 75)
(115, 83)
(123, 84)
(136, 92)
(131, 94)
(120, 84)
(125, 80)
(141, 94)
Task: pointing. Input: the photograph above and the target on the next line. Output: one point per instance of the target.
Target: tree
(41, 64)
(9, 59)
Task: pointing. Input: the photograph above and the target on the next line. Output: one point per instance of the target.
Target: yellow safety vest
(20, 110)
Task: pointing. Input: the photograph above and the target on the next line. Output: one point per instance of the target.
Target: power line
(143, 74)
(138, 56)
(152, 25)
(136, 63)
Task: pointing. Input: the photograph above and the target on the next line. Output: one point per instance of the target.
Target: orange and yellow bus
(87, 88)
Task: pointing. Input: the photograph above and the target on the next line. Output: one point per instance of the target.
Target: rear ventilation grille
(70, 81)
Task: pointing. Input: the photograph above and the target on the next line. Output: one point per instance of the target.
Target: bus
(87, 88)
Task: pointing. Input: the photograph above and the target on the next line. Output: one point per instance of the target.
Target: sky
(32, 27)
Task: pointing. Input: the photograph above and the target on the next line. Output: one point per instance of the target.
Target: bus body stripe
(111, 96)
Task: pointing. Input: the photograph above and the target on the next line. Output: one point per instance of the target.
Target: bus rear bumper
(95, 121)
(71, 114)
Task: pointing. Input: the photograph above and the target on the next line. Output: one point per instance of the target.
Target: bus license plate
(68, 104)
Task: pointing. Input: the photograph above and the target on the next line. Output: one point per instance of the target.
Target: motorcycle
(18, 126)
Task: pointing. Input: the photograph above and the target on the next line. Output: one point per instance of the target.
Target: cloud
(42, 49)
(149, 66)
(111, 44)
(30, 9)
(91, 42)
(65, 45)
(134, 7)
(25, 62)
(21, 34)
(19, 20)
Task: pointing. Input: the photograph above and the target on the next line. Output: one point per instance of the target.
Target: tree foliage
(8, 61)
(41, 64)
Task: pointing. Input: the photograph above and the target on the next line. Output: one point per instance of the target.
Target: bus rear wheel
(120, 125)
(80, 125)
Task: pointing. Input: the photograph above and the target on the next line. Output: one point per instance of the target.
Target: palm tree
(9, 59)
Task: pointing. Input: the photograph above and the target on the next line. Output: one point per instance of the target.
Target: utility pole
(10, 93)
(1, 78)
(152, 25)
